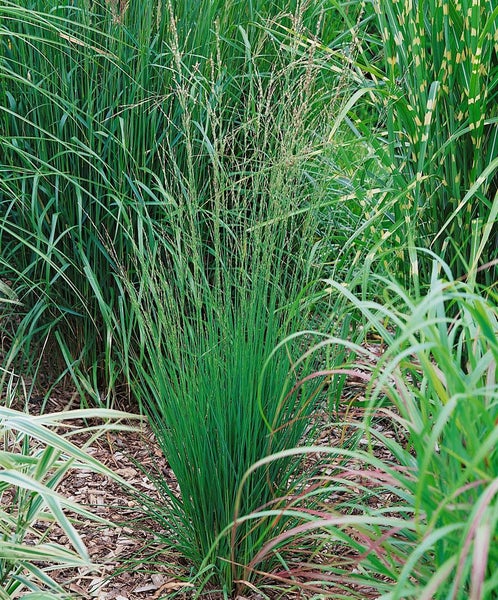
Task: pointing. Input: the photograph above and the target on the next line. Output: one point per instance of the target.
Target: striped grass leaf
(436, 105)
(48, 553)
(34, 461)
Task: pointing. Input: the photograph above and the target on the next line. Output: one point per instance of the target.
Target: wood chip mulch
(130, 559)
(131, 562)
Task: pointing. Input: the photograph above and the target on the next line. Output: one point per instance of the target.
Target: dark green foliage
(119, 121)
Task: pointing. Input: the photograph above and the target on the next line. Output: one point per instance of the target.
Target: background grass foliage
(220, 215)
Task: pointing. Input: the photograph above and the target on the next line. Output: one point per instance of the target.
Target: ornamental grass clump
(212, 289)
(202, 361)
(412, 512)
(432, 167)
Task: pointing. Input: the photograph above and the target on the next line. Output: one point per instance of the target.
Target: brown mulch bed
(125, 570)
(131, 562)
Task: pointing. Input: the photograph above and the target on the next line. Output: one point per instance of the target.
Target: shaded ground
(122, 555)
